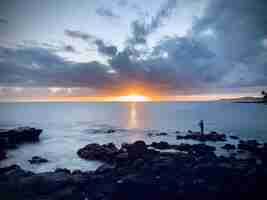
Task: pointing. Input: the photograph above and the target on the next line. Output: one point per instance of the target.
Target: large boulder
(105, 152)
(136, 150)
(12, 137)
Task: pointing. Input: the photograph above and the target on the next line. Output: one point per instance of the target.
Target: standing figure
(201, 125)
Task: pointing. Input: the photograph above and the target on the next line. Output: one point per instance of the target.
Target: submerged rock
(228, 147)
(234, 137)
(37, 160)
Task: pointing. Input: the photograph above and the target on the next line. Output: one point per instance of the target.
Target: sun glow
(132, 98)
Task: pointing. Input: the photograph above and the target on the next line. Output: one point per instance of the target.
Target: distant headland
(262, 99)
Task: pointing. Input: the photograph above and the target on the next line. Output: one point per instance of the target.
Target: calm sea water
(69, 126)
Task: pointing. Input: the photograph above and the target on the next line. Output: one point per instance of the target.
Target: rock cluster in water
(139, 171)
(11, 138)
(213, 136)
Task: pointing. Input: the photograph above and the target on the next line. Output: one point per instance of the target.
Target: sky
(162, 49)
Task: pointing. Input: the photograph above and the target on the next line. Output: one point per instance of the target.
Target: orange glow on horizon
(130, 98)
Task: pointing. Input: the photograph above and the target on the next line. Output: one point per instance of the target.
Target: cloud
(102, 47)
(108, 50)
(78, 35)
(224, 50)
(104, 12)
(3, 21)
(141, 28)
(122, 3)
(69, 48)
(238, 27)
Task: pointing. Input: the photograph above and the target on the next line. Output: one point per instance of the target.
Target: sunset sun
(132, 98)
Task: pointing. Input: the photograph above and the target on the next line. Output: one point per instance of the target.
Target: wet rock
(136, 150)
(104, 168)
(37, 160)
(122, 157)
(234, 137)
(228, 147)
(213, 136)
(145, 173)
(19, 135)
(2, 154)
(111, 131)
(162, 134)
(198, 149)
(160, 145)
(249, 145)
(45, 183)
(105, 152)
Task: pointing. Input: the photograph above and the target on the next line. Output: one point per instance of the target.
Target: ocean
(70, 126)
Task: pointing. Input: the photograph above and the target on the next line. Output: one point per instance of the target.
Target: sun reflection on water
(133, 116)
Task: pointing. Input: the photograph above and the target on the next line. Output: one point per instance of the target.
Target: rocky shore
(13, 137)
(142, 171)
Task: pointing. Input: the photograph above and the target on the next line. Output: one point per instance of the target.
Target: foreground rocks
(140, 171)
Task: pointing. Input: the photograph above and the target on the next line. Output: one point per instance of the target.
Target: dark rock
(138, 172)
(2, 154)
(234, 137)
(162, 134)
(122, 157)
(38, 160)
(45, 183)
(111, 131)
(249, 145)
(11, 138)
(104, 168)
(98, 152)
(160, 145)
(136, 150)
(213, 136)
(67, 171)
(228, 147)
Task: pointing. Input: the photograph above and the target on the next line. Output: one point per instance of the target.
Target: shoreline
(142, 171)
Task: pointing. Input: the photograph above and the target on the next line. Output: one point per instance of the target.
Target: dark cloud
(108, 50)
(141, 28)
(3, 21)
(78, 34)
(239, 29)
(69, 48)
(40, 67)
(104, 12)
(102, 47)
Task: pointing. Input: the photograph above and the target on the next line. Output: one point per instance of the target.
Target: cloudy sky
(163, 48)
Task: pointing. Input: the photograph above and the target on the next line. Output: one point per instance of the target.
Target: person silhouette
(201, 125)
